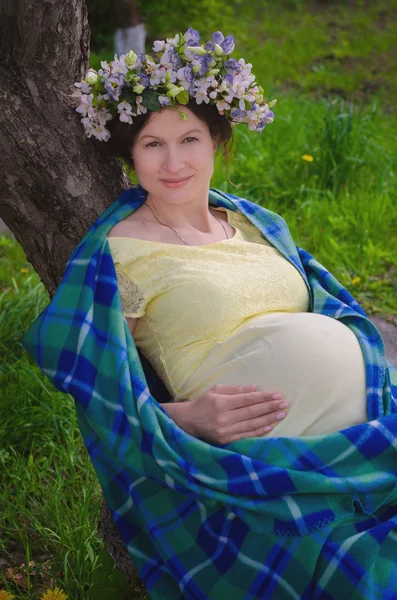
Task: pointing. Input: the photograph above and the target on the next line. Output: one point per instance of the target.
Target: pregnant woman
(212, 290)
(210, 301)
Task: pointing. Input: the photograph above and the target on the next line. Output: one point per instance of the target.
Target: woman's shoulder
(138, 225)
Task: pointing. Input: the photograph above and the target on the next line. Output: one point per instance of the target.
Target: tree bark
(53, 181)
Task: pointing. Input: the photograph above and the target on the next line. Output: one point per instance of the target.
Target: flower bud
(196, 68)
(183, 97)
(174, 92)
(91, 77)
(213, 72)
(138, 88)
(218, 50)
(272, 103)
(198, 50)
(130, 59)
(258, 98)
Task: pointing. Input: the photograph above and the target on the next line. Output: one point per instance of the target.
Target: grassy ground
(326, 165)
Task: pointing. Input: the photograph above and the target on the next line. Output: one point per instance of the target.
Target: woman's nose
(174, 160)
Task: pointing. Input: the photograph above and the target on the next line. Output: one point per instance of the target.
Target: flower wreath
(181, 69)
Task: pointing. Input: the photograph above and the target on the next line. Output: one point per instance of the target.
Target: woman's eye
(151, 146)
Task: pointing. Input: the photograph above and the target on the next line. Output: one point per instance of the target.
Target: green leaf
(150, 100)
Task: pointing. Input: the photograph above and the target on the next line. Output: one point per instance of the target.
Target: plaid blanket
(260, 518)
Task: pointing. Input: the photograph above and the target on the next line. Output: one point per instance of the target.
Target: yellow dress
(235, 312)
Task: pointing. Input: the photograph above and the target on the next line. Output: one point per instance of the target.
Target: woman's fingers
(240, 413)
(238, 397)
(258, 409)
(256, 427)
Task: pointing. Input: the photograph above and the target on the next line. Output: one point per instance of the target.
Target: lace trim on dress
(132, 298)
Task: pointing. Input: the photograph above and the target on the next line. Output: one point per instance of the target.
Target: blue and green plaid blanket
(260, 518)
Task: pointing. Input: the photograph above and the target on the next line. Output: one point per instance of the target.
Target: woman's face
(170, 148)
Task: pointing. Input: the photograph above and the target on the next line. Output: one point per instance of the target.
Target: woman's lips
(174, 184)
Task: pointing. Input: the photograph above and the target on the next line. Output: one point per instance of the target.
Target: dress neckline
(229, 213)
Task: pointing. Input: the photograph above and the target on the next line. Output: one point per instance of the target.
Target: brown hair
(123, 135)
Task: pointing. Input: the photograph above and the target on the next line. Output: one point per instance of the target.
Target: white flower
(158, 46)
(83, 87)
(119, 66)
(125, 118)
(141, 109)
(222, 105)
(200, 96)
(91, 77)
(174, 41)
(125, 106)
(101, 133)
(103, 115)
(85, 107)
(213, 95)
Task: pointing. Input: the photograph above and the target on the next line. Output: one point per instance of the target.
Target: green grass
(320, 60)
(49, 493)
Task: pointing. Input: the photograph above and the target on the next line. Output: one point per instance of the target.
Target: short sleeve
(132, 297)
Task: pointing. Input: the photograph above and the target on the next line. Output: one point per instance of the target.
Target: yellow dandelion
(6, 595)
(356, 280)
(55, 594)
(24, 271)
(307, 158)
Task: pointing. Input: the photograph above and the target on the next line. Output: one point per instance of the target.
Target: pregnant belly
(314, 360)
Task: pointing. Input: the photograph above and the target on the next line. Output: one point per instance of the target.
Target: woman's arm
(227, 413)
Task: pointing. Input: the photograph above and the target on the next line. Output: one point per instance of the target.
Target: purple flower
(229, 78)
(192, 37)
(113, 86)
(210, 46)
(261, 125)
(144, 80)
(232, 65)
(139, 61)
(217, 37)
(237, 114)
(174, 59)
(188, 73)
(269, 115)
(164, 101)
(228, 44)
(206, 63)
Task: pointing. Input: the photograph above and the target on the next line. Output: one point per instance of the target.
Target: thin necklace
(169, 226)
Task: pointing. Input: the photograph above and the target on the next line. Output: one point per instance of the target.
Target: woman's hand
(227, 413)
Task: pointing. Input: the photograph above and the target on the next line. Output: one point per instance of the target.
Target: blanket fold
(272, 518)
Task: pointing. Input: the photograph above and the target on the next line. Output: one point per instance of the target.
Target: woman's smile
(175, 183)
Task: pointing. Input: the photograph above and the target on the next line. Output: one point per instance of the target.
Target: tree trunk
(53, 181)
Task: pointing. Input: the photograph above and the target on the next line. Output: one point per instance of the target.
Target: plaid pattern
(261, 518)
